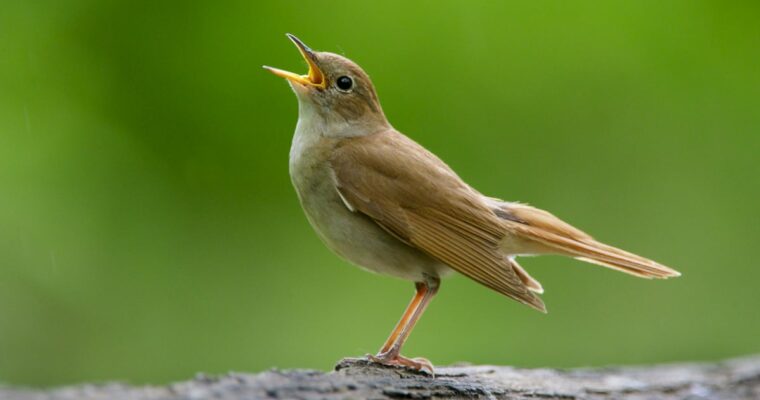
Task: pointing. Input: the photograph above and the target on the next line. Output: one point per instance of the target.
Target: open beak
(315, 77)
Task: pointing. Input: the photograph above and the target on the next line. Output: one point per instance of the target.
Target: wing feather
(416, 197)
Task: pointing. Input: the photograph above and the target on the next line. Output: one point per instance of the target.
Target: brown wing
(415, 196)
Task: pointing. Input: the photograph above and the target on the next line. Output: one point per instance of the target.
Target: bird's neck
(313, 120)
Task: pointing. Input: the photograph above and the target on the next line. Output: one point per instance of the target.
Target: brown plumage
(382, 201)
(414, 195)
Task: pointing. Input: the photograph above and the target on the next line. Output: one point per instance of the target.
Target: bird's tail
(553, 235)
(607, 256)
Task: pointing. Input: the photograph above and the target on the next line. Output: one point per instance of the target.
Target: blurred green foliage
(148, 229)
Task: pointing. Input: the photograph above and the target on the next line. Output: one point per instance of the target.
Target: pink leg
(390, 353)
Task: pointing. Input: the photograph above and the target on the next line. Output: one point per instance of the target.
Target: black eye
(344, 83)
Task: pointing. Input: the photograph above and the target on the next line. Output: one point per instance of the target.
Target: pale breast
(351, 235)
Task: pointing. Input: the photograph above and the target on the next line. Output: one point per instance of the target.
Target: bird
(381, 201)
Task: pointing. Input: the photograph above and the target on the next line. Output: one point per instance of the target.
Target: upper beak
(315, 77)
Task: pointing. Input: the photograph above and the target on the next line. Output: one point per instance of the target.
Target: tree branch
(355, 378)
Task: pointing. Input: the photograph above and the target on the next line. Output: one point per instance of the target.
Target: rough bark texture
(356, 379)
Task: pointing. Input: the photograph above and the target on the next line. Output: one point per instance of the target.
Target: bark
(356, 378)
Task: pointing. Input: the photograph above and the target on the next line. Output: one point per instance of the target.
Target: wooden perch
(356, 379)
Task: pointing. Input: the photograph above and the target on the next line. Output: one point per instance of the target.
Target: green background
(148, 228)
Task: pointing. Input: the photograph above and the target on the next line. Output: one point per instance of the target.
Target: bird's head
(336, 91)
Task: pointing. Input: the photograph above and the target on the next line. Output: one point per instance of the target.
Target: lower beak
(315, 77)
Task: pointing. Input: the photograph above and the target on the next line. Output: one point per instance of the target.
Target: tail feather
(556, 236)
(602, 254)
(626, 270)
(606, 255)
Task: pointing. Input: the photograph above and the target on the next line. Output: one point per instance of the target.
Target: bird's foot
(418, 364)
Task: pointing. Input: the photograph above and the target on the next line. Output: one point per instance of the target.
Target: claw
(418, 364)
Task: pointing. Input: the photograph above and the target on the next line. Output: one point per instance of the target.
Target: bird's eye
(344, 83)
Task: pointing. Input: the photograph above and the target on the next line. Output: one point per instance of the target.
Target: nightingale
(384, 203)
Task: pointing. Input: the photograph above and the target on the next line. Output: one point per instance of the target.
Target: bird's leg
(421, 290)
(390, 353)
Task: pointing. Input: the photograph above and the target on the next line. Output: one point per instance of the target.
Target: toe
(416, 364)
(424, 365)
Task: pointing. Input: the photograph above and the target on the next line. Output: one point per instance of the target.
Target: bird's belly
(354, 236)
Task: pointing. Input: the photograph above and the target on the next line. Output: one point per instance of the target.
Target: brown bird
(385, 203)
